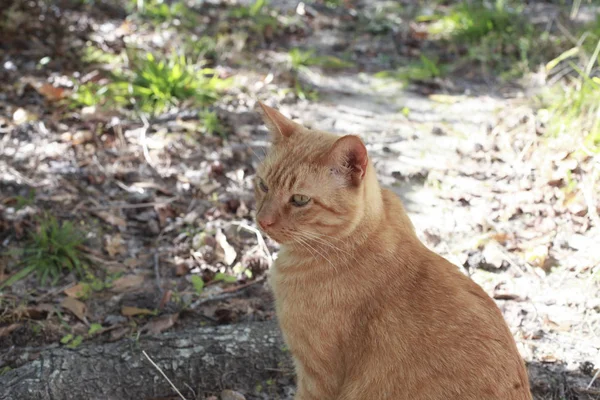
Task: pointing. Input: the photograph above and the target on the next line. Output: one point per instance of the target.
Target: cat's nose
(266, 222)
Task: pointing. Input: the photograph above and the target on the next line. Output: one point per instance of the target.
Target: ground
(158, 188)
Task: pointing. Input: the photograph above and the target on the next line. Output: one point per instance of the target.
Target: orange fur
(366, 309)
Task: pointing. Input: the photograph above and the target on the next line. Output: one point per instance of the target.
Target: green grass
(211, 125)
(423, 70)
(258, 17)
(160, 84)
(305, 58)
(51, 250)
(153, 85)
(158, 11)
(573, 104)
(381, 19)
(499, 38)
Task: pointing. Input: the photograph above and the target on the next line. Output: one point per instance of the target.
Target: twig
(593, 379)
(138, 205)
(163, 374)
(259, 238)
(227, 293)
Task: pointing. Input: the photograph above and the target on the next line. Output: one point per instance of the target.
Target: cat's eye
(299, 200)
(262, 185)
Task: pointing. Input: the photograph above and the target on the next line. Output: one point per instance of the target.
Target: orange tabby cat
(366, 309)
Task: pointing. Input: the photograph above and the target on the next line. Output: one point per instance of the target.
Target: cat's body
(366, 309)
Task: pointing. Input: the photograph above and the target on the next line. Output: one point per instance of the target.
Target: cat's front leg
(312, 388)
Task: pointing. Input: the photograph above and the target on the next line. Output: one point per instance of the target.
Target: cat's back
(441, 335)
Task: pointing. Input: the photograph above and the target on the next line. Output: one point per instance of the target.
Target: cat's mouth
(281, 237)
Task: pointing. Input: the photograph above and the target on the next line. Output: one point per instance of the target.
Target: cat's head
(311, 184)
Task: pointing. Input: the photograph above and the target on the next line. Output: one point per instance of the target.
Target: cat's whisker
(305, 241)
(256, 154)
(314, 237)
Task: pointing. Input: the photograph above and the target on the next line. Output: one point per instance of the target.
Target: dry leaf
(537, 255)
(231, 395)
(132, 311)
(165, 299)
(118, 334)
(112, 219)
(224, 250)
(81, 137)
(114, 245)
(77, 291)
(51, 93)
(161, 324)
(75, 306)
(132, 263)
(181, 269)
(127, 282)
(493, 254)
(6, 330)
(34, 312)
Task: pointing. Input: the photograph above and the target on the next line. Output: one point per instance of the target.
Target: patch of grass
(383, 18)
(304, 58)
(211, 125)
(260, 18)
(109, 94)
(423, 70)
(51, 250)
(153, 85)
(574, 110)
(159, 84)
(204, 47)
(497, 37)
(94, 55)
(159, 11)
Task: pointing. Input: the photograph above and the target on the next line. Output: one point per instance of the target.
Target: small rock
(232, 395)
(153, 226)
(112, 319)
(437, 131)
(21, 116)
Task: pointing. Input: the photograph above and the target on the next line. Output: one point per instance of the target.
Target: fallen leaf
(132, 311)
(114, 245)
(118, 334)
(75, 306)
(165, 299)
(81, 137)
(132, 262)
(507, 296)
(232, 395)
(493, 254)
(537, 255)
(224, 250)
(111, 219)
(51, 93)
(127, 282)
(181, 269)
(6, 330)
(549, 358)
(39, 311)
(77, 291)
(160, 324)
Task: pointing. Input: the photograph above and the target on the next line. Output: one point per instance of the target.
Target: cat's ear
(348, 157)
(280, 126)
